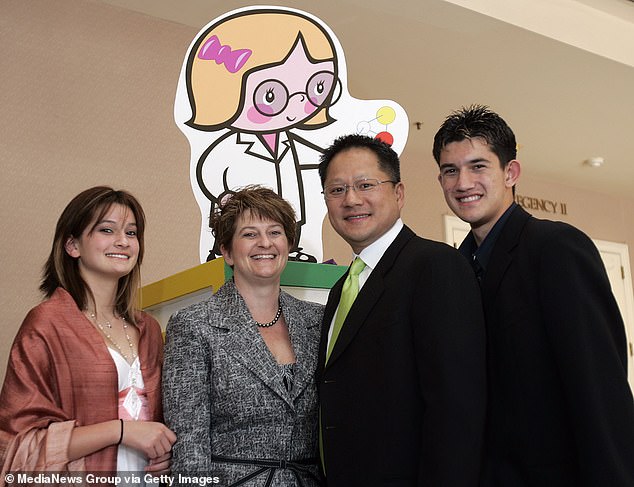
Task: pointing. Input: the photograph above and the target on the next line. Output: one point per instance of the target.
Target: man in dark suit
(402, 379)
(560, 411)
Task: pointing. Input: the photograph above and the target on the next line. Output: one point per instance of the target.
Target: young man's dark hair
(477, 121)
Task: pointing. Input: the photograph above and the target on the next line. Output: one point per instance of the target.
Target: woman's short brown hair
(262, 203)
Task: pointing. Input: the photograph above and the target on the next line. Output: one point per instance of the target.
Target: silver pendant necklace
(129, 357)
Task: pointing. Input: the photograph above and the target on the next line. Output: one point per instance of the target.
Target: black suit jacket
(560, 411)
(403, 394)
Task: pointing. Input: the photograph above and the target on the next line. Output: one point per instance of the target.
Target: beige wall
(86, 98)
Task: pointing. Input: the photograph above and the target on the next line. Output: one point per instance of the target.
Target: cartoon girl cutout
(252, 88)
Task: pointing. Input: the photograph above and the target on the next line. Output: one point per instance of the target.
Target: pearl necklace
(133, 354)
(273, 321)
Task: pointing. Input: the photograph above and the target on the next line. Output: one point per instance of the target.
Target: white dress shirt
(371, 255)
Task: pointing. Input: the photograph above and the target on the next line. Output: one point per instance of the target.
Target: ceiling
(561, 72)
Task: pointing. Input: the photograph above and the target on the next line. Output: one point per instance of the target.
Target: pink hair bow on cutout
(213, 50)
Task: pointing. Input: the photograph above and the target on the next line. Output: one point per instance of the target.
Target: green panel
(304, 274)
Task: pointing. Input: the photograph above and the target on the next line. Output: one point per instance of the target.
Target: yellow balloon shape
(385, 115)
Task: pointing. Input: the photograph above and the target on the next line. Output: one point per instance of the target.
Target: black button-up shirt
(480, 256)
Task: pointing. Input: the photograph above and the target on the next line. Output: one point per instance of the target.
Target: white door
(617, 264)
(455, 230)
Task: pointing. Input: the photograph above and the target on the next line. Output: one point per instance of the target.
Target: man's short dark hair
(477, 121)
(388, 159)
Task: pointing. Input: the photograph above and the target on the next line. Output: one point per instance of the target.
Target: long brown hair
(62, 270)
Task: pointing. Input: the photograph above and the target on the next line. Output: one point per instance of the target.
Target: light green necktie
(349, 293)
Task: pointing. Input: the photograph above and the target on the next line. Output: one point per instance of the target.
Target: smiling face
(280, 97)
(259, 250)
(107, 249)
(360, 218)
(476, 187)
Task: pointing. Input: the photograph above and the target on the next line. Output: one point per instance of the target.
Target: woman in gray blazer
(238, 380)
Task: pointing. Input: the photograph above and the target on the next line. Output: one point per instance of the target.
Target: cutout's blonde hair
(215, 93)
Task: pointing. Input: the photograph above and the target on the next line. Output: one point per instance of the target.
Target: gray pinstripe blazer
(223, 392)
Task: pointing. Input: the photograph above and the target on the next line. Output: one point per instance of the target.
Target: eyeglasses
(334, 191)
(271, 97)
